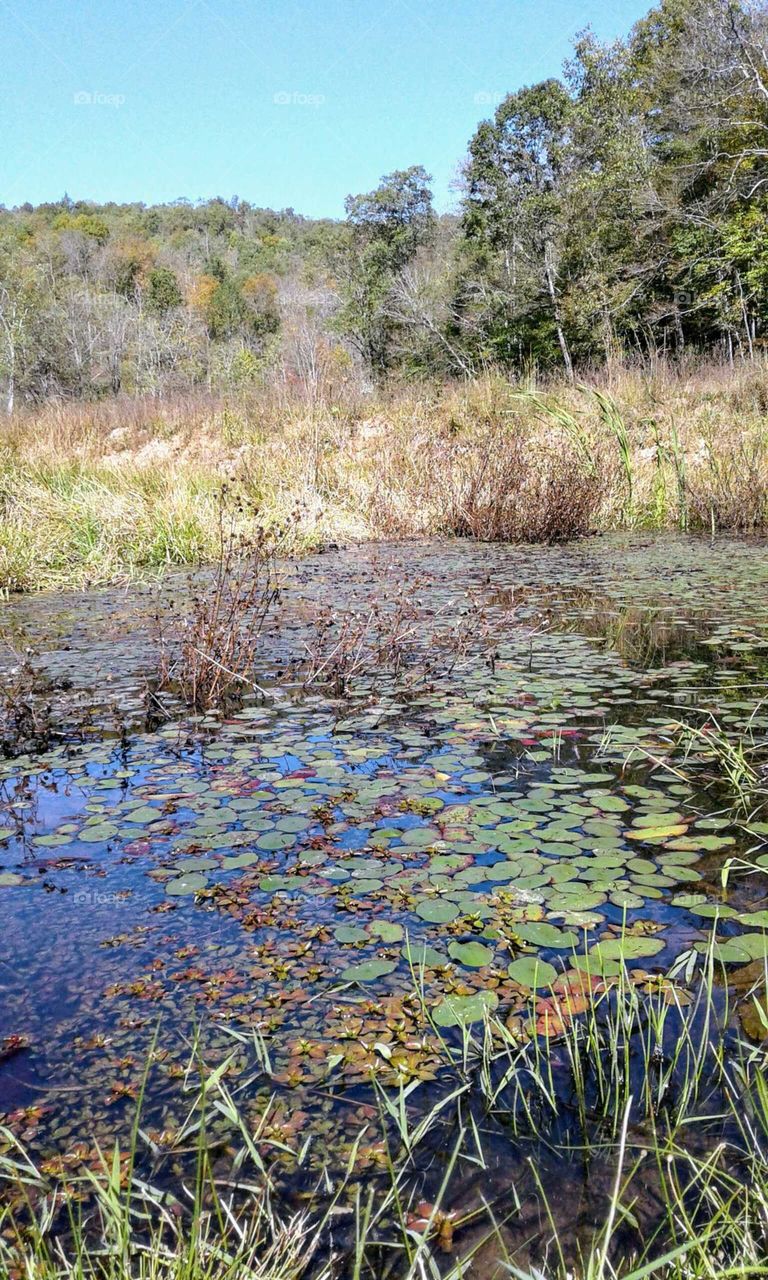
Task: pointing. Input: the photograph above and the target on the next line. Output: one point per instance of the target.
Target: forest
(617, 214)
(384, 691)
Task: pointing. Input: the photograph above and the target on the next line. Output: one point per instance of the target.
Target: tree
(388, 226)
(515, 205)
(162, 292)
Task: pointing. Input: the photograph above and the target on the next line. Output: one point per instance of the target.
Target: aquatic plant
(25, 711)
(647, 1089)
(207, 653)
(450, 945)
(376, 640)
(397, 638)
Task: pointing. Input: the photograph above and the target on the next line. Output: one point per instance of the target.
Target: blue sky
(281, 103)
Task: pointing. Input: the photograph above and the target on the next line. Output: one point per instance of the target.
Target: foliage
(617, 211)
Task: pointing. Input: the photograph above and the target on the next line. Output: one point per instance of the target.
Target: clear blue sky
(282, 103)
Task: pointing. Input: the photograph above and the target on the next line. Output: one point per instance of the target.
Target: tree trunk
(549, 276)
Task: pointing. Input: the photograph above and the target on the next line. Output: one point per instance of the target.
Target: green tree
(388, 226)
(515, 214)
(163, 292)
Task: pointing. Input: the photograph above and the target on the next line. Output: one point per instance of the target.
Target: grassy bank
(669, 1111)
(92, 493)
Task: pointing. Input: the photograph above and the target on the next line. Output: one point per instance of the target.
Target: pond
(318, 891)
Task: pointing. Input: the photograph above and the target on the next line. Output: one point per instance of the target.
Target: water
(508, 819)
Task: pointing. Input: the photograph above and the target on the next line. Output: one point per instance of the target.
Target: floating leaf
(656, 835)
(471, 954)
(530, 971)
(368, 970)
(541, 934)
(457, 1011)
(629, 946)
(186, 884)
(437, 910)
(99, 833)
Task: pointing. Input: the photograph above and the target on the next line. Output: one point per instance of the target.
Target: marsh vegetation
(384, 706)
(434, 946)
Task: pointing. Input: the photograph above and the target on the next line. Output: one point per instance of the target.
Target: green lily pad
(420, 954)
(471, 954)
(143, 815)
(387, 930)
(656, 835)
(368, 970)
(98, 833)
(531, 972)
(456, 1011)
(275, 840)
(197, 864)
(541, 934)
(348, 933)
(238, 861)
(186, 884)
(437, 910)
(628, 947)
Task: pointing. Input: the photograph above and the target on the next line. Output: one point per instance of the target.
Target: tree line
(618, 211)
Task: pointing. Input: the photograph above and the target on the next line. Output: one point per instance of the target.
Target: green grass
(83, 500)
(645, 1084)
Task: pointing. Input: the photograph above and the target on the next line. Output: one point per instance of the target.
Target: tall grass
(91, 493)
(644, 1084)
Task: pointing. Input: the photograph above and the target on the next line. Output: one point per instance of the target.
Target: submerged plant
(668, 1117)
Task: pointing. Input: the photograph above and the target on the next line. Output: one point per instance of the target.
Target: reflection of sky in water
(93, 916)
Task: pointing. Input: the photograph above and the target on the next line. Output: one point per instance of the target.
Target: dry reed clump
(728, 490)
(506, 487)
(208, 649)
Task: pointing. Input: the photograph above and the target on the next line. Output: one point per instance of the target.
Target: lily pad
(541, 934)
(368, 970)
(437, 910)
(471, 954)
(457, 1011)
(98, 833)
(628, 947)
(531, 972)
(186, 884)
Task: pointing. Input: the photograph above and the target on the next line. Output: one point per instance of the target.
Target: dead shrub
(397, 641)
(25, 707)
(507, 490)
(348, 646)
(207, 651)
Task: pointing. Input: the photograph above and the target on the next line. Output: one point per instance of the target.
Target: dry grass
(91, 493)
(207, 649)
